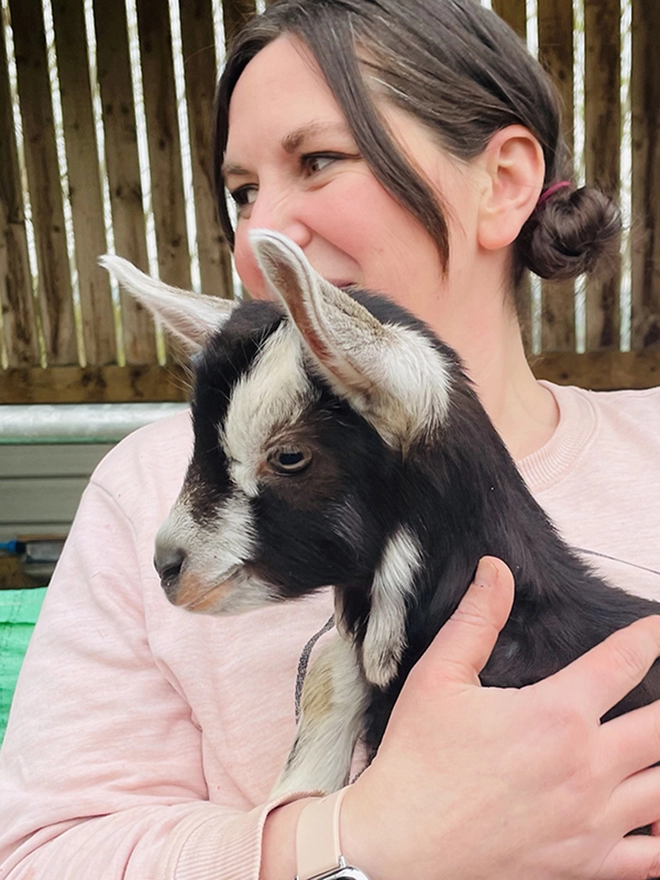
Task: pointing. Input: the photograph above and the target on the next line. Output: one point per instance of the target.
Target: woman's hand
(472, 783)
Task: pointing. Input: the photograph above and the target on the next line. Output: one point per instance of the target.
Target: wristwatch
(318, 851)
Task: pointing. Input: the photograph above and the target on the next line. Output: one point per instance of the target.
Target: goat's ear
(390, 373)
(190, 317)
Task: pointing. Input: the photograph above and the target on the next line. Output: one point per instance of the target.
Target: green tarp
(19, 610)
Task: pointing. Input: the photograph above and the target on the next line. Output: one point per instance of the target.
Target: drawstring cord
(303, 663)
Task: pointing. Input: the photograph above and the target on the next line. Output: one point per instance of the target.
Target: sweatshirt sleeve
(101, 771)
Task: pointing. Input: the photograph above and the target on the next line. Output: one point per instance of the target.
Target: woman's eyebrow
(228, 169)
(290, 143)
(294, 140)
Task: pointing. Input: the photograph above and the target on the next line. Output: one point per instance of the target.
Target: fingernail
(486, 574)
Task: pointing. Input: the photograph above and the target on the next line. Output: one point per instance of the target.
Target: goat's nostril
(168, 564)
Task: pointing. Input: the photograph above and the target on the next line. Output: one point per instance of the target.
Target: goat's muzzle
(183, 588)
(169, 563)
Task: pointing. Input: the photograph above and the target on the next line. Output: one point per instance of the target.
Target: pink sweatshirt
(144, 739)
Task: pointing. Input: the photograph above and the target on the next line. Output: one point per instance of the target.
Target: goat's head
(302, 416)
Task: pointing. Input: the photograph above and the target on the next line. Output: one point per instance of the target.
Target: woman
(144, 740)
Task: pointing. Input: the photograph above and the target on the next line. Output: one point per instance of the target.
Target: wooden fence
(66, 337)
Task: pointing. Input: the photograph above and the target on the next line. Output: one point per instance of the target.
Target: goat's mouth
(194, 595)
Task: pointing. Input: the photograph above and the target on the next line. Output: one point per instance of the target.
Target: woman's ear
(515, 168)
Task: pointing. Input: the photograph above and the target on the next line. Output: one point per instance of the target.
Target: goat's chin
(237, 592)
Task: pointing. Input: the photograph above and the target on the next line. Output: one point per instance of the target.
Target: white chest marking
(384, 641)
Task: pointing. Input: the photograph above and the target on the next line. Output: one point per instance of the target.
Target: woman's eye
(289, 460)
(315, 162)
(244, 196)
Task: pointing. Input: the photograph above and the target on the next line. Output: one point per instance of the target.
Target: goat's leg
(334, 699)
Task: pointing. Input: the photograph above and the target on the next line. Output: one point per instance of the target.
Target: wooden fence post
(16, 299)
(55, 292)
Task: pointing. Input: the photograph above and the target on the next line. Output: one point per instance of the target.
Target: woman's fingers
(638, 800)
(634, 858)
(632, 742)
(462, 647)
(606, 673)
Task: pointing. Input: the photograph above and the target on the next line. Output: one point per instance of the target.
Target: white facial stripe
(384, 641)
(273, 394)
(212, 551)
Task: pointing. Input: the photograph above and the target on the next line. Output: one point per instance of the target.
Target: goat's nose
(169, 562)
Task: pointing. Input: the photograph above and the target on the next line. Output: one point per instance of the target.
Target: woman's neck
(524, 412)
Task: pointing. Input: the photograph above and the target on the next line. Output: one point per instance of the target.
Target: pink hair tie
(551, 190)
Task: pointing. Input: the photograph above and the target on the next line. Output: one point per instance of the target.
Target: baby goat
(339, 442)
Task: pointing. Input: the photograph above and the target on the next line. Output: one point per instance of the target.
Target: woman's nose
(281, 214)
(265, 216)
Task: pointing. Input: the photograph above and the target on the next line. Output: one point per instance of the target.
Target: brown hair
(462, 72)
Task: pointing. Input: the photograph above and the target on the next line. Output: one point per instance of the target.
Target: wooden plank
(55, 291)
(109, 384)
(112, 384)
(602, 153)
(514, 13)
(123, 169)
(601, 370)
(200, 76)
(85, 191)
(555, 21)
(646, 174)
(49, 459)
(16, 296)
(235, 14)
(164, 142)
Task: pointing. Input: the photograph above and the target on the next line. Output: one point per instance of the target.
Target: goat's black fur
(457, 490)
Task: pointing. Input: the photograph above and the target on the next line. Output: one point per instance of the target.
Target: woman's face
(292, 165)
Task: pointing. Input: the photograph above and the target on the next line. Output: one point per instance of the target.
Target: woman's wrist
(359, 822)
(278, 850)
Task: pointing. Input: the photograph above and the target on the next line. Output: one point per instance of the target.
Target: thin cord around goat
(303, 663)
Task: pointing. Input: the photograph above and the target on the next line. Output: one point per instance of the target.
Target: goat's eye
(287, 460)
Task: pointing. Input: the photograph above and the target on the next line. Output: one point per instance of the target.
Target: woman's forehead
(283, 92)
(286, 65)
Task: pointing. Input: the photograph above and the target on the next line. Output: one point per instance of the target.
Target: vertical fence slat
(602, 82)
(200, 76)
(235, 13)
(555, 20)
(16, 300)
(164, 141)
(646, 174)
(84, 181)
(514, 13)
(55, 292)
(123, 169)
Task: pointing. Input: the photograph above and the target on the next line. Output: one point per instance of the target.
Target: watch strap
(317, 836)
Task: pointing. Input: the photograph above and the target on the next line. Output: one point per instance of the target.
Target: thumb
(462, 647)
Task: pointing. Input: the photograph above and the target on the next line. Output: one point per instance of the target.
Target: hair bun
(569, 233)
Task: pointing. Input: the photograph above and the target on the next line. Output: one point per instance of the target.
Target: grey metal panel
(38, 500)
(44, 460)
(78, 423)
